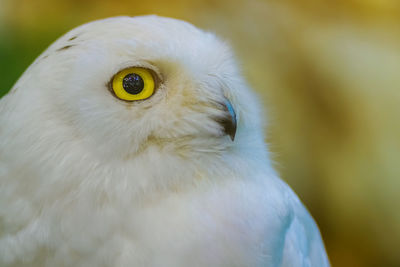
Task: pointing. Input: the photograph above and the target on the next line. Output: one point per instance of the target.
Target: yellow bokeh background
(328, 73)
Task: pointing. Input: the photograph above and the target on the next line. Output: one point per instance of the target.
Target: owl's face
(124, 84)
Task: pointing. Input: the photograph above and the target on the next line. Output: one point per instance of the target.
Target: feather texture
(89, 180)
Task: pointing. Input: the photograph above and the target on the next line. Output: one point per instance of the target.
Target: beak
(229, 122)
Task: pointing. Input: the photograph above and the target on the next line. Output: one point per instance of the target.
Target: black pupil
(133, 83)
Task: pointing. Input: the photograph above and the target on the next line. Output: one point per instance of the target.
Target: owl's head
(122, 85)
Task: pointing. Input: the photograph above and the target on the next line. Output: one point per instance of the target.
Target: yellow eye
(133, 84)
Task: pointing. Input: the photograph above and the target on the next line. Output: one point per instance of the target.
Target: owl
(137, 142)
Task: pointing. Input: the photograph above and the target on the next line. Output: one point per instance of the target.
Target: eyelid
(156, 77)
(155, 73)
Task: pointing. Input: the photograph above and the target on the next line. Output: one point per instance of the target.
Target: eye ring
(132, 84)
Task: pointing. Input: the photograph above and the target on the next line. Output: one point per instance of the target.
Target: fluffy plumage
(89, 180)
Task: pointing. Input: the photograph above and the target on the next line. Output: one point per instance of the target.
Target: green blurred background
(329, 75)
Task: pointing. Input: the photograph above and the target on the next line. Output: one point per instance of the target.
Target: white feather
(89, 180)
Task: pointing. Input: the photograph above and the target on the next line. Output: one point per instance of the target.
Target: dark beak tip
(232, 137)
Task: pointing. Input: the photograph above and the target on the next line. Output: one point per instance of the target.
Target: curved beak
(229, 122)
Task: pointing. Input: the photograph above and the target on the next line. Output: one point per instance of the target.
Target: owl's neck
(158, 167)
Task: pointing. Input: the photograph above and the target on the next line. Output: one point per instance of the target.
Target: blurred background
(328, 73)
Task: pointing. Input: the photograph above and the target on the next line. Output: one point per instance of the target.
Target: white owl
(136, 142)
